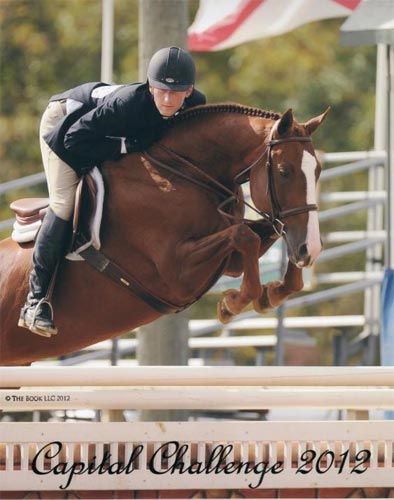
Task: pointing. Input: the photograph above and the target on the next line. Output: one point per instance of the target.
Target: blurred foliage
(50, 45)
(47, 46)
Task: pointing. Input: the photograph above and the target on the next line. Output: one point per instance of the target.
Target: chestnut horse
(168, 233)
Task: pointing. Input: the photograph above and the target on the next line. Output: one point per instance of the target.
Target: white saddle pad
(27, 233)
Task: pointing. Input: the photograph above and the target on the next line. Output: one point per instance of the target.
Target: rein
(221, 190)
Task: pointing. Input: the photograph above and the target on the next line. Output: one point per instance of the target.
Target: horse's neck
(223, 144)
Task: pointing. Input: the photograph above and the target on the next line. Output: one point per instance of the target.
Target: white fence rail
(261, 343)
(194, 388)
(186, 376)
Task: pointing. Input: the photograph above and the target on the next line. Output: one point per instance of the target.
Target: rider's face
(169, 102)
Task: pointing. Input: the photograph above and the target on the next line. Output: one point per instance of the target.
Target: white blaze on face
(308, 166)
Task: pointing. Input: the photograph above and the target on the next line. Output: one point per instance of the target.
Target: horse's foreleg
(234, 302)
(247, 245)
(235, 266)
(276, 292)
(238, 238)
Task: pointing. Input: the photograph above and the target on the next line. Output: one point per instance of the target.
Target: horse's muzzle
(305, 256)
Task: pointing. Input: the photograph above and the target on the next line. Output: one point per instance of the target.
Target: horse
(173, 220)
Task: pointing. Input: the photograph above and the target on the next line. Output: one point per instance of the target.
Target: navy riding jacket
(100, 115)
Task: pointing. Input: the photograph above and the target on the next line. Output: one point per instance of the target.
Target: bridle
(276, 215)
(281, 214)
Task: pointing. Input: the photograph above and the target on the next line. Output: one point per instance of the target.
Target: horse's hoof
(224, 315)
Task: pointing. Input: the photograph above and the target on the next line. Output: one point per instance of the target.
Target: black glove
(133, 145)
(143, 142)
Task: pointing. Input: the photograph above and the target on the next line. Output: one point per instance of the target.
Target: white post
(387, 333)
(376, 176)
(381, 104)
(390, 157)
(107, 40)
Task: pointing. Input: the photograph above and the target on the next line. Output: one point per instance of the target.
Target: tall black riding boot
(50, 246)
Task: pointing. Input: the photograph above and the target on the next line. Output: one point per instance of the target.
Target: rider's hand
(132, 145)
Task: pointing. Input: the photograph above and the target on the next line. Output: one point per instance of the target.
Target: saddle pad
(96, 219)
(25, 233)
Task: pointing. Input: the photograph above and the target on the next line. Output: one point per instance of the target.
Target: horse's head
(285, 186)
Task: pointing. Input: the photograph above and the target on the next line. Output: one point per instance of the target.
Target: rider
(80, 129)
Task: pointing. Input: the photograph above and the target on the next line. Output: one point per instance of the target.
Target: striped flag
(221, 24)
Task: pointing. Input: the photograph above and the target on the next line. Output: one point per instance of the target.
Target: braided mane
(224, 108)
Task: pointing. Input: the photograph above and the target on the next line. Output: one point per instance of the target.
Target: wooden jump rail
(196, 455)
(197, 376)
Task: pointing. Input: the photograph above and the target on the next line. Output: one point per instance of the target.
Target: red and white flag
(220, 24)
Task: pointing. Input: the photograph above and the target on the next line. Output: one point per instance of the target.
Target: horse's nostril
(303, 250)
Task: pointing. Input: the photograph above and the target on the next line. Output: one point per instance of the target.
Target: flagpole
(107, 40)
(390, 157)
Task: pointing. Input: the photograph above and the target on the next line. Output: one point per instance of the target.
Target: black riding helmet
(171, 68)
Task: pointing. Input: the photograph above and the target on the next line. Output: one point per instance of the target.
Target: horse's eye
(284, 172)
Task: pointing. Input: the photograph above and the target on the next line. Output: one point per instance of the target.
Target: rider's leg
(50, 244)
(54, 234)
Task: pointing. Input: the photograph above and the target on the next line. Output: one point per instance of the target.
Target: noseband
(277, 214)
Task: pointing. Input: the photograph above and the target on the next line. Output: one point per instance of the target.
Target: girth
(109, 269)
(115, 273)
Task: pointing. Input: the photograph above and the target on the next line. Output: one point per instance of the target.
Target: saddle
(29, 215)
(88, 211)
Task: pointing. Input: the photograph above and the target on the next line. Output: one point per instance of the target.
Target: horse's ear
(312, 124)
(285, 122)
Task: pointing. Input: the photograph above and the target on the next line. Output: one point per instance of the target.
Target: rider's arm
(97, 135)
